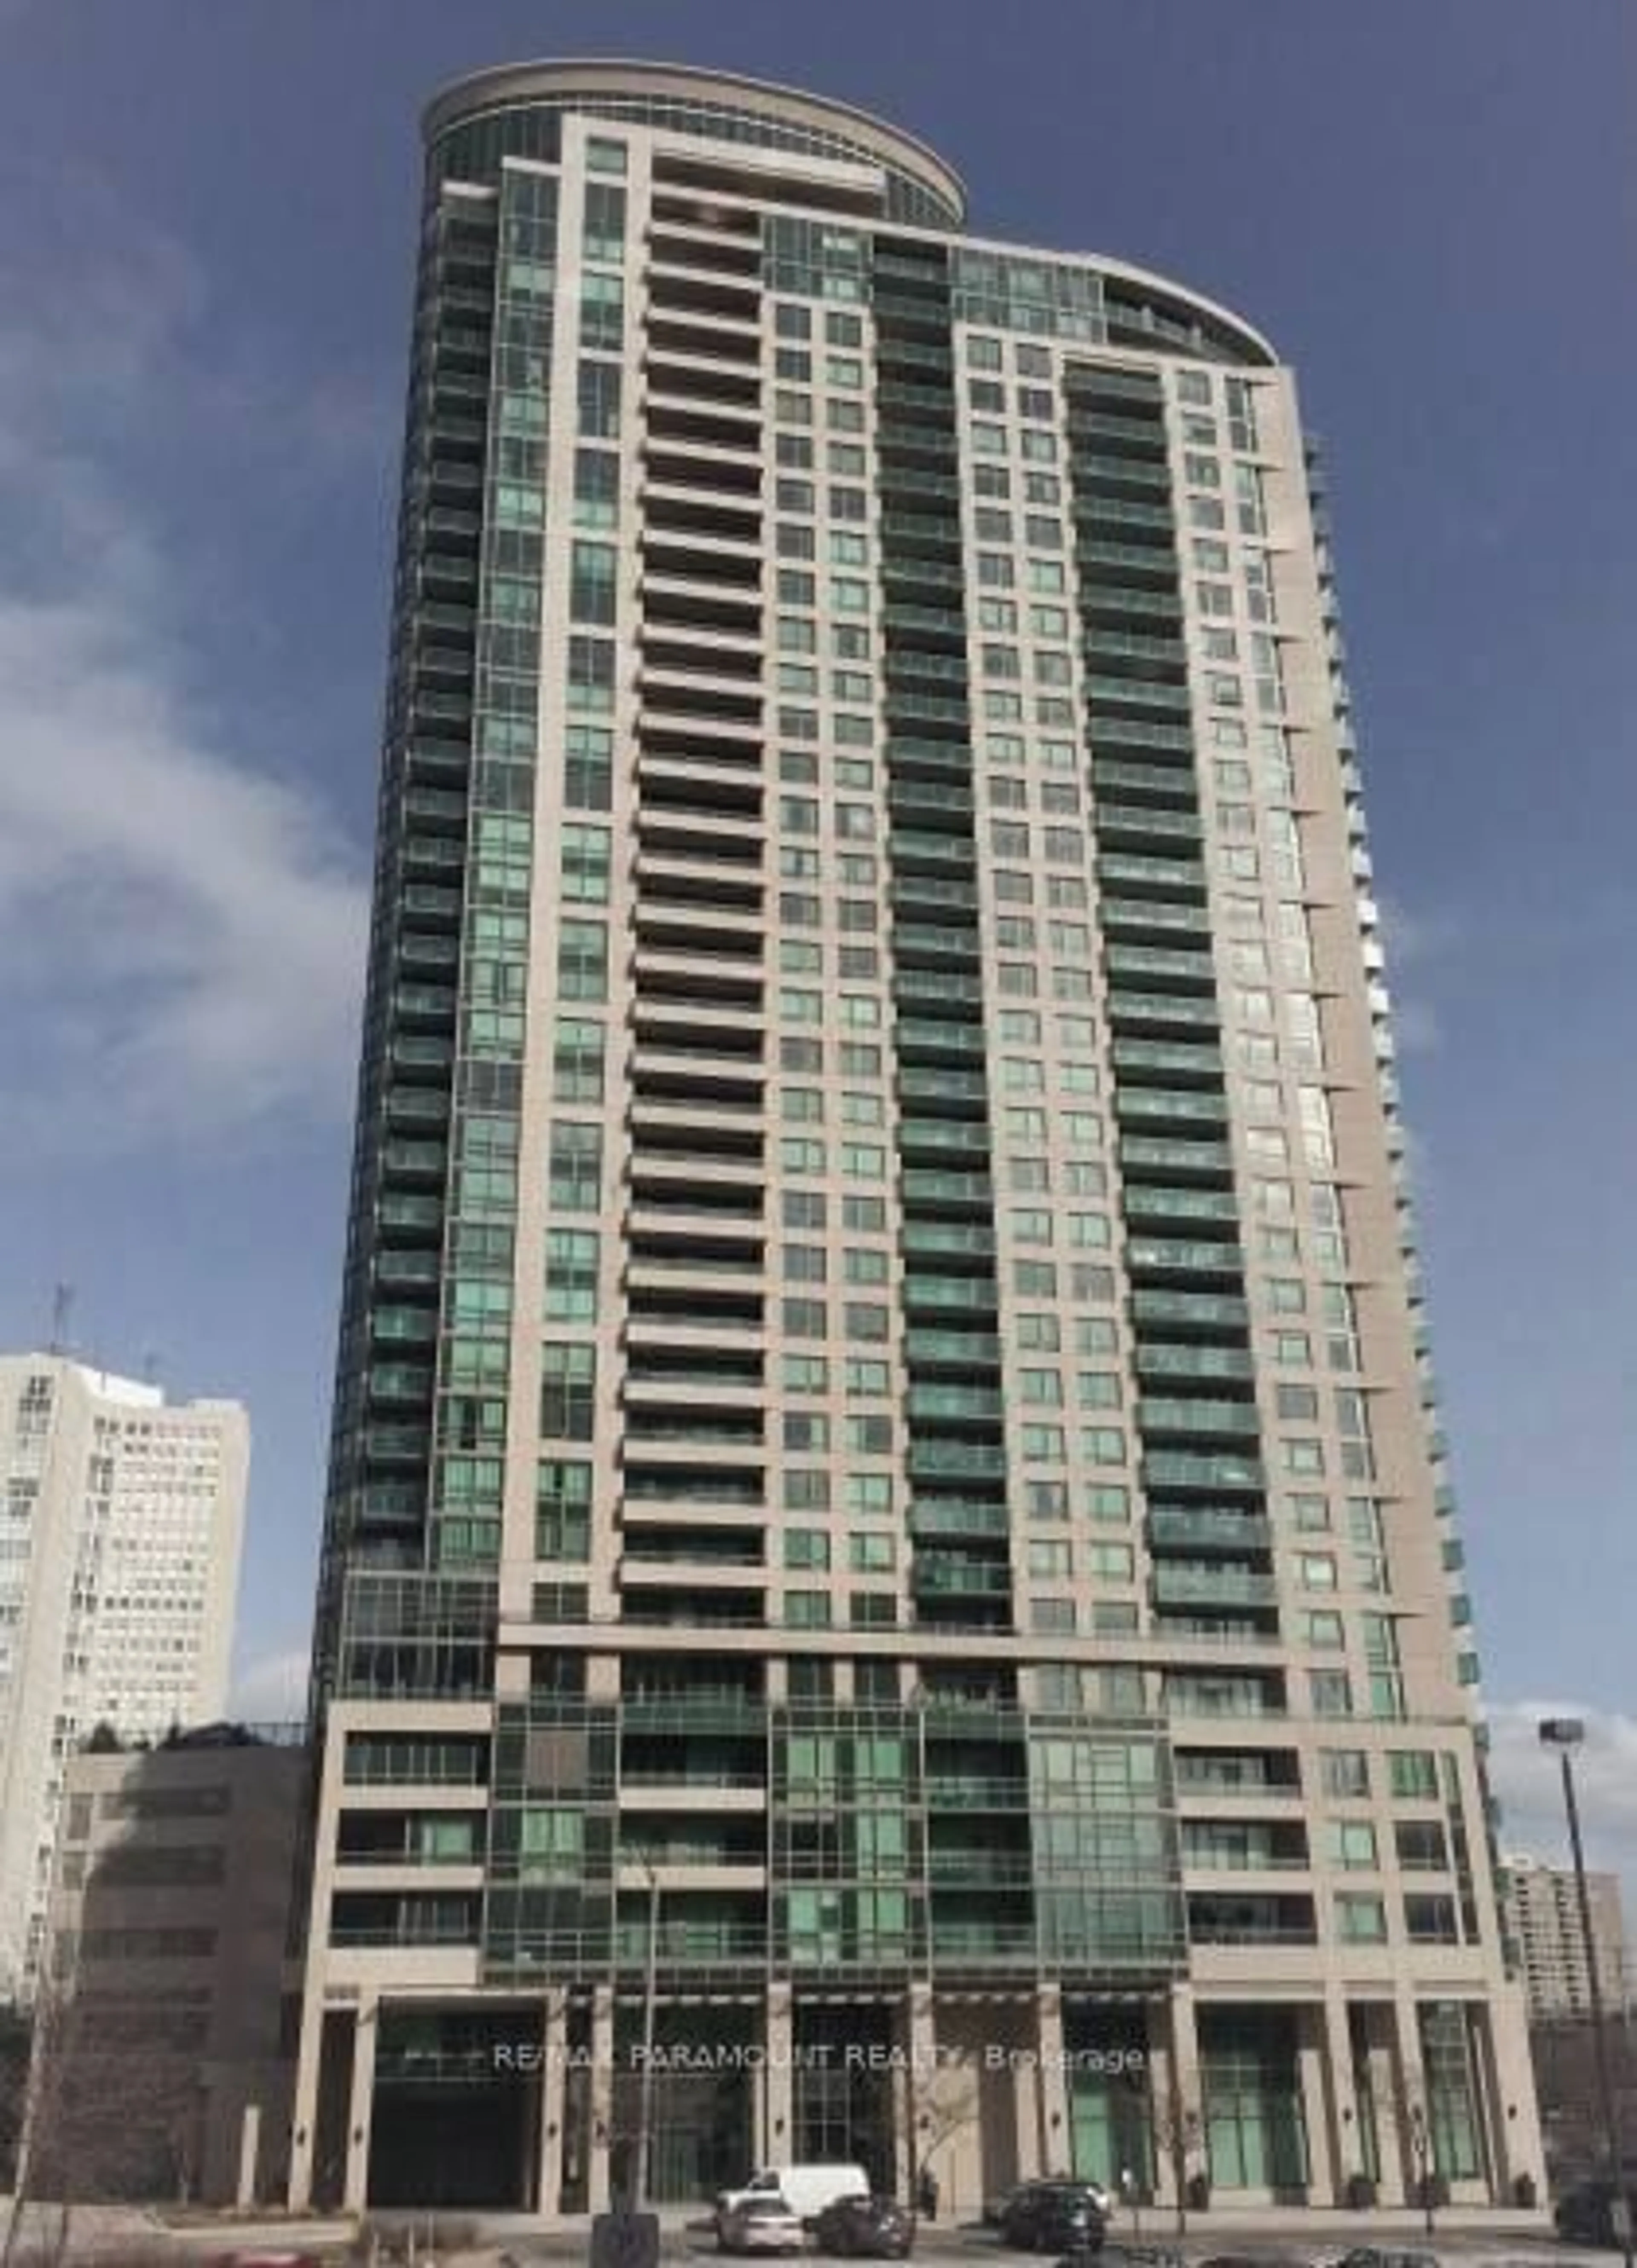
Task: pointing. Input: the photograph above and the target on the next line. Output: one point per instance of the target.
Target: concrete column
(249, 2155)
(553, 2100)
(1410, 2087)
(602, 2095)
(1504, 2034)
(1347, 2152)
(1056, 2141)
(360, 2105)
(1158, 2081)
(304, 2102)
(1381, 2067)
(1310, 2038)
(1026, 2096)
(916, 2139)
(778, 2137)
(1184, 2097)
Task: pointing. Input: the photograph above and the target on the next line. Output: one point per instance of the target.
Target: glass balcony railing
(1187, 1469)
(922, 1186)
(1209, 1161)
(1195, 970)
(1156, 1255)
(1160, 1414)
(944, 622)
(1110, 729)
(1138, 692)
(1190, 1310)
(1158, 560)
(924, 984)
(1142, 1058)
(952, 1517)
(1208, 1528)
(976, 1403)
(1195, 1362)
(922, 1237)
(1130, 1010)
(1160, 1105)
(1145, 1201)
(1186, 877)
(956, 1461)
(1172, 783)
(981, 1350)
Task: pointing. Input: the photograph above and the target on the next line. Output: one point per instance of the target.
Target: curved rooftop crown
(710, 102)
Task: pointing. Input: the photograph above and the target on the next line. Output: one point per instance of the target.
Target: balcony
(972, 1404)
(1219, 1846)
(1186, 1470)
(966, 1295)
(1142, 1154)
(926, 1350)
(1150, 1257)
(1149, 918)
(927, 1191)
(1137, 827)
(1255, 1922)
(1169, 784)
(1202, 1209)
(1174, 741)
(1158, 1059)
(941, 1134)
(1163, 1107)
(1130, 1012)
(1145, 562)
(1175, 1528)
(1196, 1362)
(1181, 1415)
(1189, 1311)
(923, 1239)
(1195, 972)
(1164, 876)
(956, 1461)
(1142, 437)
(952, 1517)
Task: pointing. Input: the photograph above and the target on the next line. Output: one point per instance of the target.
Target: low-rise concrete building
(168, 1927)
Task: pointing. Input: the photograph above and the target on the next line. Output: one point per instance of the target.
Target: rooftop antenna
(61, 1311)
(150, 1366)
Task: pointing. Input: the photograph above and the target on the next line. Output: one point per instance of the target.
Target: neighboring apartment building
(120, 1517)
(1544, 1914)
(883, 1454)
(169, 1930)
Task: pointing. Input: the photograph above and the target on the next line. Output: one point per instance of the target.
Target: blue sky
(205, 248)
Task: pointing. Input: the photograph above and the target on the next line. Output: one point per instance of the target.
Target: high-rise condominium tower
(119, 1560)
(881, 1461)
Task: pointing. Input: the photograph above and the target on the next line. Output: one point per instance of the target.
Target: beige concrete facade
(959, 1286)
(170, 1924)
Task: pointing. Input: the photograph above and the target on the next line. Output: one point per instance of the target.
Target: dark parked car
(1055, 2217)
(1585, 2214)
(866, 2228)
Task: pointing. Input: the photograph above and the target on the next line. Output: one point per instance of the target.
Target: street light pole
(1566, 1734)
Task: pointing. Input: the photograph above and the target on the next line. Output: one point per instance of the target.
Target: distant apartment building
(120, 1518)
(168, 1919)
(1545, 1918)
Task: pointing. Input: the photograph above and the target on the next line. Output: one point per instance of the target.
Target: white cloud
(181, 935)
(271, 1689)
(1529, 1782)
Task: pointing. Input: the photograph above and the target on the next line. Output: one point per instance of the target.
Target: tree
(107, 2109)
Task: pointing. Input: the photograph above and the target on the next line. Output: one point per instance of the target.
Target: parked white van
(805, 2190)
